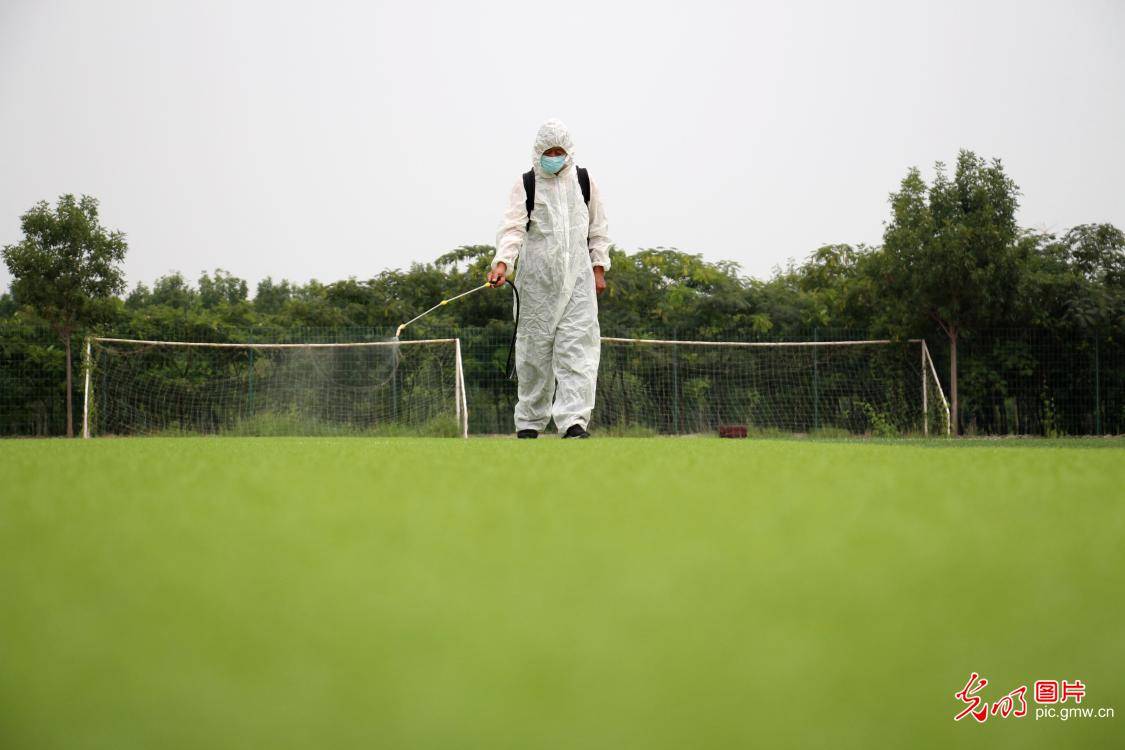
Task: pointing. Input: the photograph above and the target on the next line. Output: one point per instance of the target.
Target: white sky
(329, 139)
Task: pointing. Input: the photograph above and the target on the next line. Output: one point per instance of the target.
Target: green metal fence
(1035, 382)
(33, 381)
(1020, 381)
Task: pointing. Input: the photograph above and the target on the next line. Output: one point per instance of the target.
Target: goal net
(877, 387)
(371, 388)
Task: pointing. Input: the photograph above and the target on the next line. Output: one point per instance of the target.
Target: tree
(222, 288)
(951, 251)
(139, 298)
(1097, 254)
(7, 306)
(272, 297)
(66, 268)
(1098, 251)
(836, 281)
(173, 290)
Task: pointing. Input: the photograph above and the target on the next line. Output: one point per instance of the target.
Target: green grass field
(613, 593)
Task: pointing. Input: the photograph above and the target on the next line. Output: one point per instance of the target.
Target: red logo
(1046, 691)
(968, 694)
(1014, 704)
(1077, 691)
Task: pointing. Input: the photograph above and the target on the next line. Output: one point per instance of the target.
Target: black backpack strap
(584, 183)
(529, 194)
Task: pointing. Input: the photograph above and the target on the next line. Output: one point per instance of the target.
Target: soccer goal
(137, 387)
(874, 387)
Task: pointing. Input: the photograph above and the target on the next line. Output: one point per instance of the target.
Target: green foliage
(67, 271)
(221, 289)
(271, 298)
(950, 252)
(67, 265)
(880, 424)
(8, 306)
(174, 291)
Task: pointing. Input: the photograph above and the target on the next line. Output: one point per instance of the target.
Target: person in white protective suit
(563, 251)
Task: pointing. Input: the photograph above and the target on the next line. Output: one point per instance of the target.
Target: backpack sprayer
(508, 369)
(529, 204)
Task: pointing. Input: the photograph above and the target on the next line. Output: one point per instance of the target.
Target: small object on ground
(527, 434)
(732, 430)
(576, 431)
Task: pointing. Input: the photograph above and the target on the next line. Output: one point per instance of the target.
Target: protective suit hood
(552, 133)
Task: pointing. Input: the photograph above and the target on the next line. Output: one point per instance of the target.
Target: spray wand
(509, 370)
(443, 302)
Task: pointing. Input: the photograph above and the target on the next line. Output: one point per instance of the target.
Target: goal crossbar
(760, 344)
(229, 345)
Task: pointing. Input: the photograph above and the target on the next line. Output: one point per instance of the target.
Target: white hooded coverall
(558, 337)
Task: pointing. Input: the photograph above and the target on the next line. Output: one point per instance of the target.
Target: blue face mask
(552, 164)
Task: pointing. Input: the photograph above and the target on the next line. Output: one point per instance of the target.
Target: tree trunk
(954, 416)
(69, 390)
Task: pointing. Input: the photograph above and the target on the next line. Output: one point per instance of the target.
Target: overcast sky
(331, 139)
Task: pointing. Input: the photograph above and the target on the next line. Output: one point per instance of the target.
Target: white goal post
(145, 387)
(873, 386)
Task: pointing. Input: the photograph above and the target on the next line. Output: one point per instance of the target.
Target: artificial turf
(613, 593)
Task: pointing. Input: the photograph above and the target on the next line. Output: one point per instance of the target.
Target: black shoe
(527, 434)
(576, 431)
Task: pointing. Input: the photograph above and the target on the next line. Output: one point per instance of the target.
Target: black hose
(510, 368)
